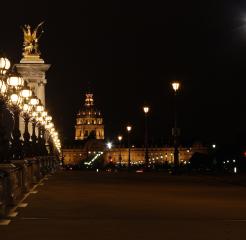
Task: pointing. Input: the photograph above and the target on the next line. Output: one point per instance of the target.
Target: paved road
(82, 205)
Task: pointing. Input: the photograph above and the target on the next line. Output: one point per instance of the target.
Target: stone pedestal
(33, 71)
(14, 182)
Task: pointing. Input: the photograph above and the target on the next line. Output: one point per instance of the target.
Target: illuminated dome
(89, 110)
(89, 122)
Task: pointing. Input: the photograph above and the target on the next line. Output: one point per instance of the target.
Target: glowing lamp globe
(3, 87)
(15, 99)
(26, 93)
(176, 86)
(15, 80)
(40, 108)
(26, 108)
(129, 128)
(4, 65)
(120, 138)
(34, 101)
(146, 109)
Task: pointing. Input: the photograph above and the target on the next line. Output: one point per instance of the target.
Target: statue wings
(34, 34)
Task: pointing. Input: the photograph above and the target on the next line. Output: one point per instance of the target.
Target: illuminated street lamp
(26, 94)
(129, 128)
(176, 86)
(15, 83)
(34, 101)
(175, 132)
(4, 65)
(42, 114)
(48, 126)
(120, 158)
(146, 111)
(4, 141)
(109, 145)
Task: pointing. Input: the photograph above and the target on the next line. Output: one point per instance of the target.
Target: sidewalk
(79, 205)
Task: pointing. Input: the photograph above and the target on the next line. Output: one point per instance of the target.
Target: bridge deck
(89, 205)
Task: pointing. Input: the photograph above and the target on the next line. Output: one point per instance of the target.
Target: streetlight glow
(175, 86)
(146, 109)
(129, 128)
(120, 138)
(109, 145)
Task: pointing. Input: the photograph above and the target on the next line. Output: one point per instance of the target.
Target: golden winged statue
(30, 44)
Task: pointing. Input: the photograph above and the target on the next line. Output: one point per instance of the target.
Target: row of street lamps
(17, 99)
(175, 133)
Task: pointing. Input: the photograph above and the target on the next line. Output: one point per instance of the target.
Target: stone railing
(18, 176)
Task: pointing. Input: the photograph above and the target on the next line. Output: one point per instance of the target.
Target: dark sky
(130, 51)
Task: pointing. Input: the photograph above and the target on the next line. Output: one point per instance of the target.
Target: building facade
(157, 155)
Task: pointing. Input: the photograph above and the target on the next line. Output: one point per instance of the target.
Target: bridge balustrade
(18, 176)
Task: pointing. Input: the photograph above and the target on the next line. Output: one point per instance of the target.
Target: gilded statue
(30, 44)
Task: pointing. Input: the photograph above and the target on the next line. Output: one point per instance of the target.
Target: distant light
(213, 146)
(234, 160)
(235, 169)
(97, 170)
(129, 128)
(227, 161)
(146, 109)
(175, 86)
(109, 145)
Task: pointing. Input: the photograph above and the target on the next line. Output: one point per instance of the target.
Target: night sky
(130, 52)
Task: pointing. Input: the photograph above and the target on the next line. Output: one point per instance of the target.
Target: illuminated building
(89, 121)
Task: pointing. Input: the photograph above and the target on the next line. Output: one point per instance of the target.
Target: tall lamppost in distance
(175, 132)
(120, 158)
(146, 111)
(109, 146)
(129, 128)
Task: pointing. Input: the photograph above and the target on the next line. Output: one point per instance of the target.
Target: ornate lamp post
(4, 141)
(34, 101)
(41, 141)
(120, 158)
(146, 111)
(48, 126)
(15, 83)
(50, 140)
(129, 128)
(26, 93)
(43, 130)
(175, 132)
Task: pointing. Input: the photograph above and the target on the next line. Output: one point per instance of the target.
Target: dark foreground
(82, 205)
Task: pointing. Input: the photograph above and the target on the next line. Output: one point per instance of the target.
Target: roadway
(89, 205)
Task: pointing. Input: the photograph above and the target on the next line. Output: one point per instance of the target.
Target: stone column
(33, 70)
